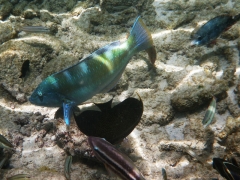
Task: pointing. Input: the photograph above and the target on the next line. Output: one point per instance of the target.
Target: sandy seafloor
(175, 92)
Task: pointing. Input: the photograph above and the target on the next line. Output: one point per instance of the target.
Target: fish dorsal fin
(106, 48)
(89, 57)
(105, 106)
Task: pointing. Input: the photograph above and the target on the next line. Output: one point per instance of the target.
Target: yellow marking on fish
(53, 81)
(106, 62)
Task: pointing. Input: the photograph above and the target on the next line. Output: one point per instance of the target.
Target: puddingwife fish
(213, 28)
(113, 159)
(97, 73)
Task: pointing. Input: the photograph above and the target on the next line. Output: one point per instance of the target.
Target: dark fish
(226, 169)
(4, 143)
(24, 69)
(114, 160)
(213, 28)
(113, 124)
(35, 29)
(97, 73)
(233, 170)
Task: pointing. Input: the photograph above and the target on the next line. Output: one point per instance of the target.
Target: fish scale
(97, 73)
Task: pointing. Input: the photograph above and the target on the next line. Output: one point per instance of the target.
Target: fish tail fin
(142, 39)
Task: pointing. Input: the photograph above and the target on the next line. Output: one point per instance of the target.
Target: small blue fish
(114, 160)
(213, 28)
(97, 73)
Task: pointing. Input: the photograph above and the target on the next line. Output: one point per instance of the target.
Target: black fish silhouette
(113, 124)
(226, 169)
(24, 69)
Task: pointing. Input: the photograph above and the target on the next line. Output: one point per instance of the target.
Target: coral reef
(176, 91)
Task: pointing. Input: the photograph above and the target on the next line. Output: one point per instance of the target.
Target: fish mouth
(194, 42)
(31, 100)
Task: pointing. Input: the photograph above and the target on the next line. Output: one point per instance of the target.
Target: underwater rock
(191, 97)
(210, 64)
(5, 9)
(160, 111)
(232, 125)
(14, 91)
(233, 108)
(73, 142)
(30, 14)
(182, 19)
(19, 8)
(232, 33)
(204, 85)
(237, 91)
(222, 106)
(115, 6)
(38, 50)
(193, 5)
(59, 6)
(6, 32)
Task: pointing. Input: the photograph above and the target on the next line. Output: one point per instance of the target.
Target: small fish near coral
(19, 177)
(4, 143)
(114, 160)
(67, 167)
(228, 170)
(164, 174)
(97, 73)
(213, 29)
(35, 29)
(112, 123)
(209, 115)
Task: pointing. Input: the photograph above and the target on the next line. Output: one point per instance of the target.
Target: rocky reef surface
(175, 92)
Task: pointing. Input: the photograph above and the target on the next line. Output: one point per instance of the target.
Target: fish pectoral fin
(67, 110)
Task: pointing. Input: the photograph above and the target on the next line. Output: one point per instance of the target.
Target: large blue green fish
(97, 73)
